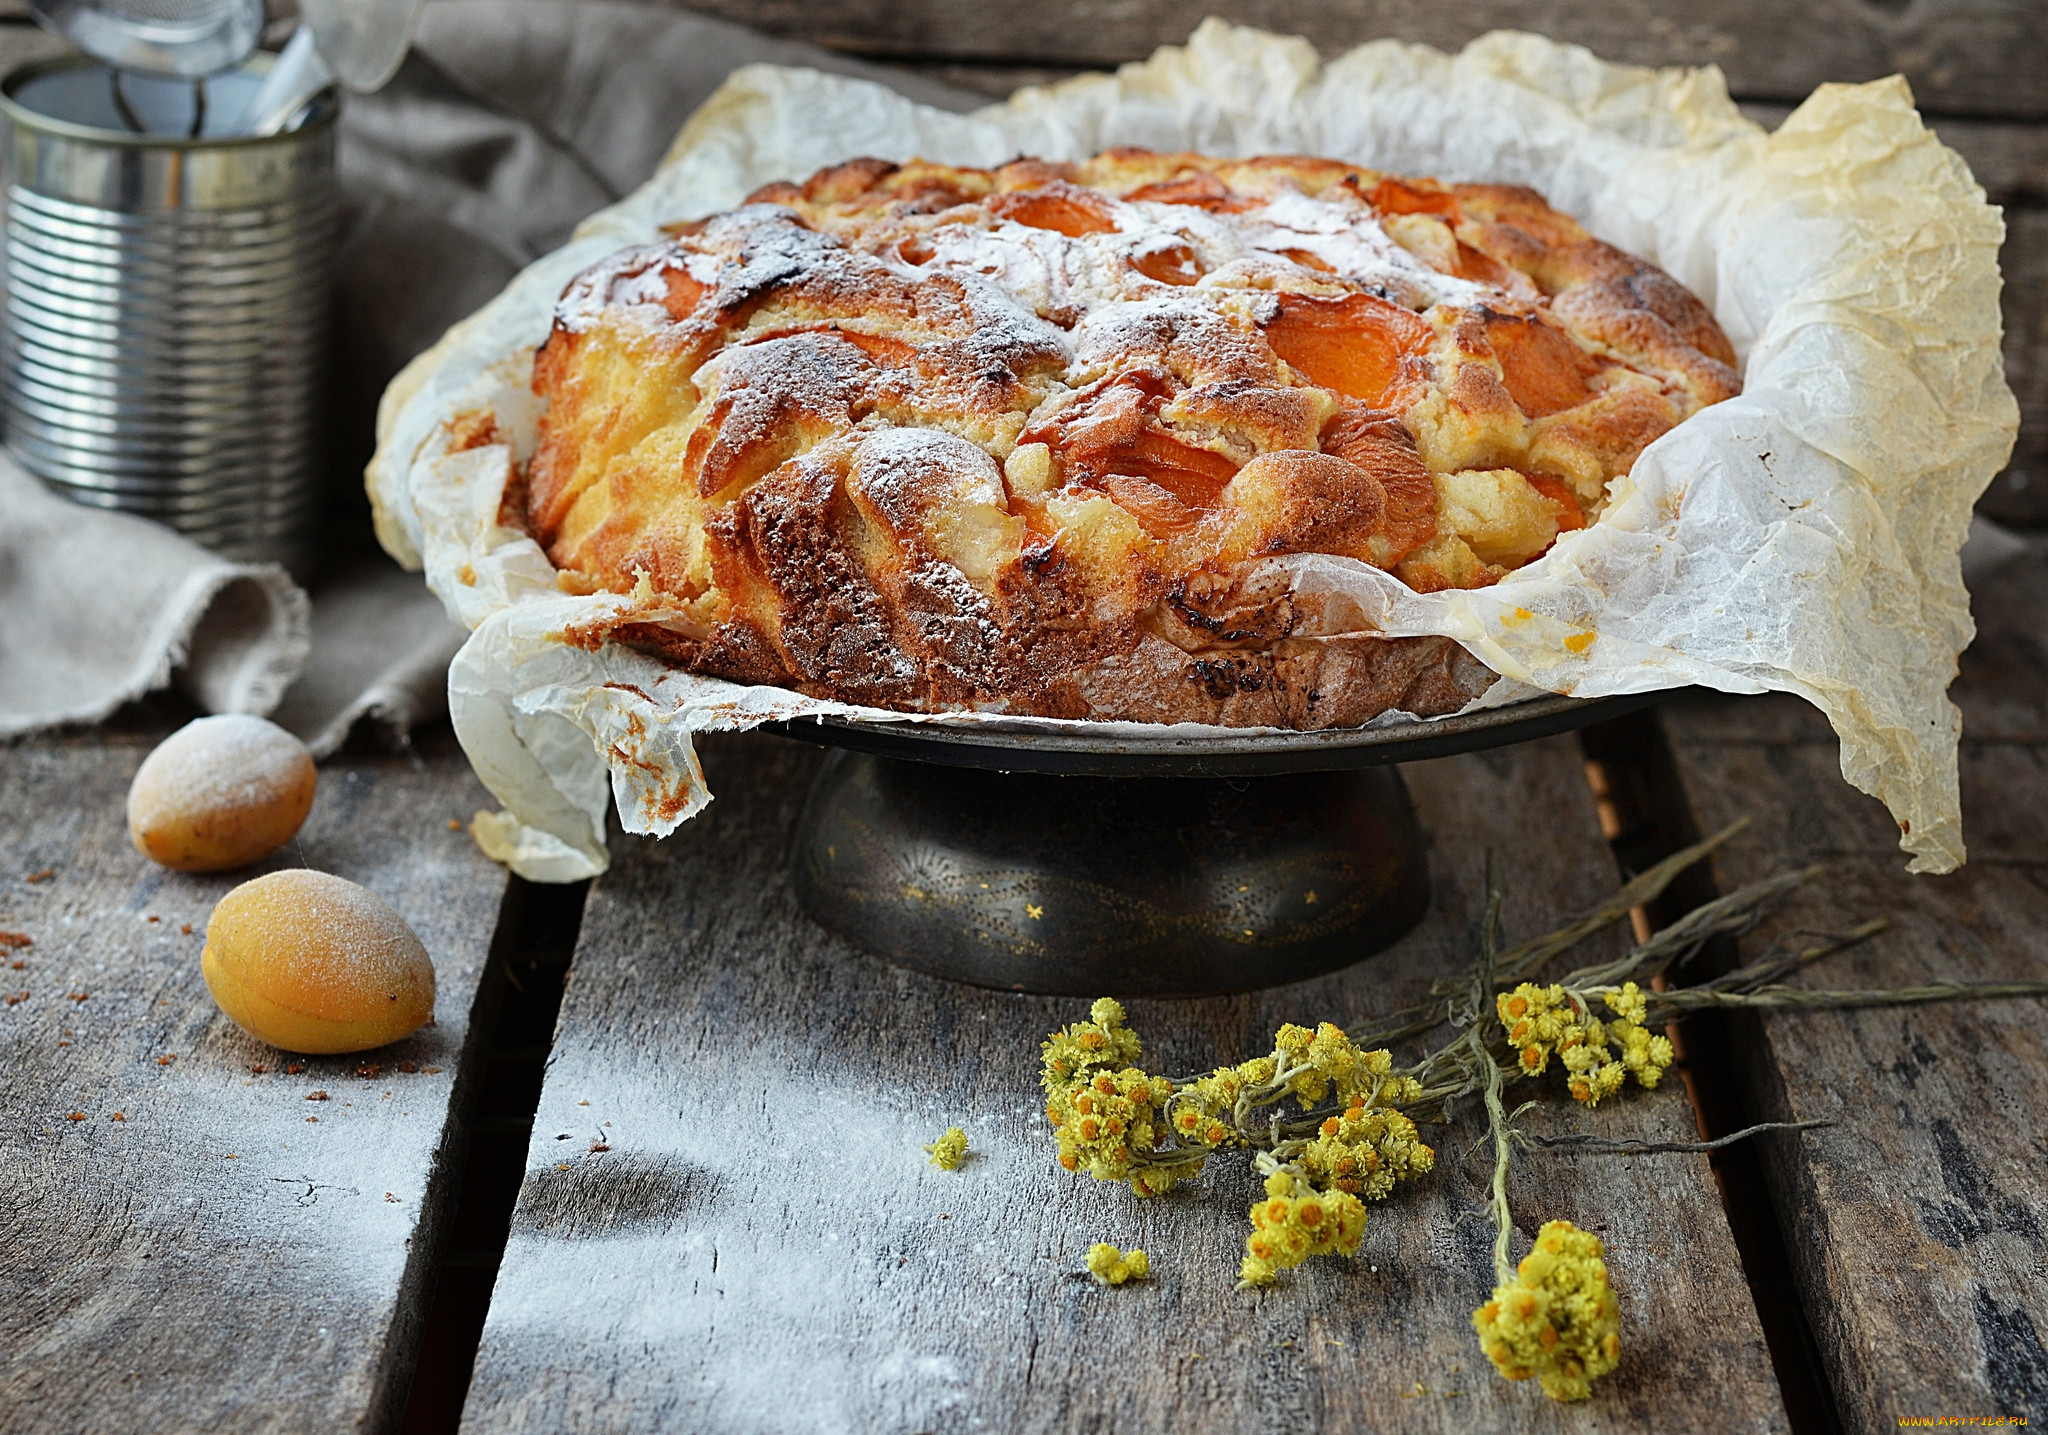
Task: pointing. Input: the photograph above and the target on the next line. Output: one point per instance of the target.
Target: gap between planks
(530, 953)
(1918, 1220)
(1646, 817)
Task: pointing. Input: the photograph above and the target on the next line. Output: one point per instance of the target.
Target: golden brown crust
(1021, 439)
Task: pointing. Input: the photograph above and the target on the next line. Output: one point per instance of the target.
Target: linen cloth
(509, 122)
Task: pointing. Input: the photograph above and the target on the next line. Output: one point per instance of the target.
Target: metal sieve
(167, 304)
(188, 38)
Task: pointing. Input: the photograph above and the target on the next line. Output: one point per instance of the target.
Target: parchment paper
(1802, 537)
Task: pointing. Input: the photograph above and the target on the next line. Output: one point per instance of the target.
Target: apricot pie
(1030, 439)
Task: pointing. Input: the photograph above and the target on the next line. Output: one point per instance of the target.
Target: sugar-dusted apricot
(1066, 208)
(220, 793)
(310, 962)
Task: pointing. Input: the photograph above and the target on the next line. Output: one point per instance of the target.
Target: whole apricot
(311, 962)
(220, 793)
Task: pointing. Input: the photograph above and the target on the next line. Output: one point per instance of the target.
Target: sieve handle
(301, 72)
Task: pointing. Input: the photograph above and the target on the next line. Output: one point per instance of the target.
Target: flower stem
(1602, 1146)
(1496, 1114)
(1497, 1121)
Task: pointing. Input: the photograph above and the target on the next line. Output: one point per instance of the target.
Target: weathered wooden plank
(997, 81)
(1917, 1223)
(2020, 494)
(1962, 56)
(760, 1245)
(186, 1241)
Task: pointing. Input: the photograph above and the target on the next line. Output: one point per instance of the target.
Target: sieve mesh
(166, 13)
(188, 38)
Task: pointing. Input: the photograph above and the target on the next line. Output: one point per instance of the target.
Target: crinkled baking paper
(1802, 537)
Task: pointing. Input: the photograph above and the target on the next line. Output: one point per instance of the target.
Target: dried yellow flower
(1205, 1109)
(1296, 1221)
(1113, 1267)
(1598, 1056)
(1364, 1152)
(1157, 1180)
(1537, 1019)
(1628, 1003)
(949, 1150)
(1324, 1063)
(1645, 1055)
(1257, 1072)
(1558, 1319)
(1106, 1124)
(1073, 1054)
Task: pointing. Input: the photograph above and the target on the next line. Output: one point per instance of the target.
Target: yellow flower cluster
(1597, 1055)
(1296, 1221)
(1558, 1320)
(1364, 1152)
(1627, 1002)
(1204, 1110)
(1334, 1065)
(1113, 1267)
(948, 1151)
(1642, 1054)
(1074, 1053)
(1537, 1019)
(1103, 1123)
(1107, 1115)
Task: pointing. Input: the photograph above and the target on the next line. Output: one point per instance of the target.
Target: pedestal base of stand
(1093, 886)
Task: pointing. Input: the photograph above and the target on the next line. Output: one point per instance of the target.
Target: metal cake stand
(1078, 864)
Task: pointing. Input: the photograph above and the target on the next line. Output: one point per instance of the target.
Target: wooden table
(723, 1219)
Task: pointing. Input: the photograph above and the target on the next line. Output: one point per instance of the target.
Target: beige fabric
(100, 608)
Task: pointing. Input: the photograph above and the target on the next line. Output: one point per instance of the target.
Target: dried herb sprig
(1604, 1146)
(1331, 1122)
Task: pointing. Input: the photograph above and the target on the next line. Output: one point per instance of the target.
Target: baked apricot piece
(220, 793)
(312, 962)
(1545, 372)
(1359, 345)
(1067, 208)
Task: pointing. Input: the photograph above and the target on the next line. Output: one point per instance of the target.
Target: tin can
(167, 305)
